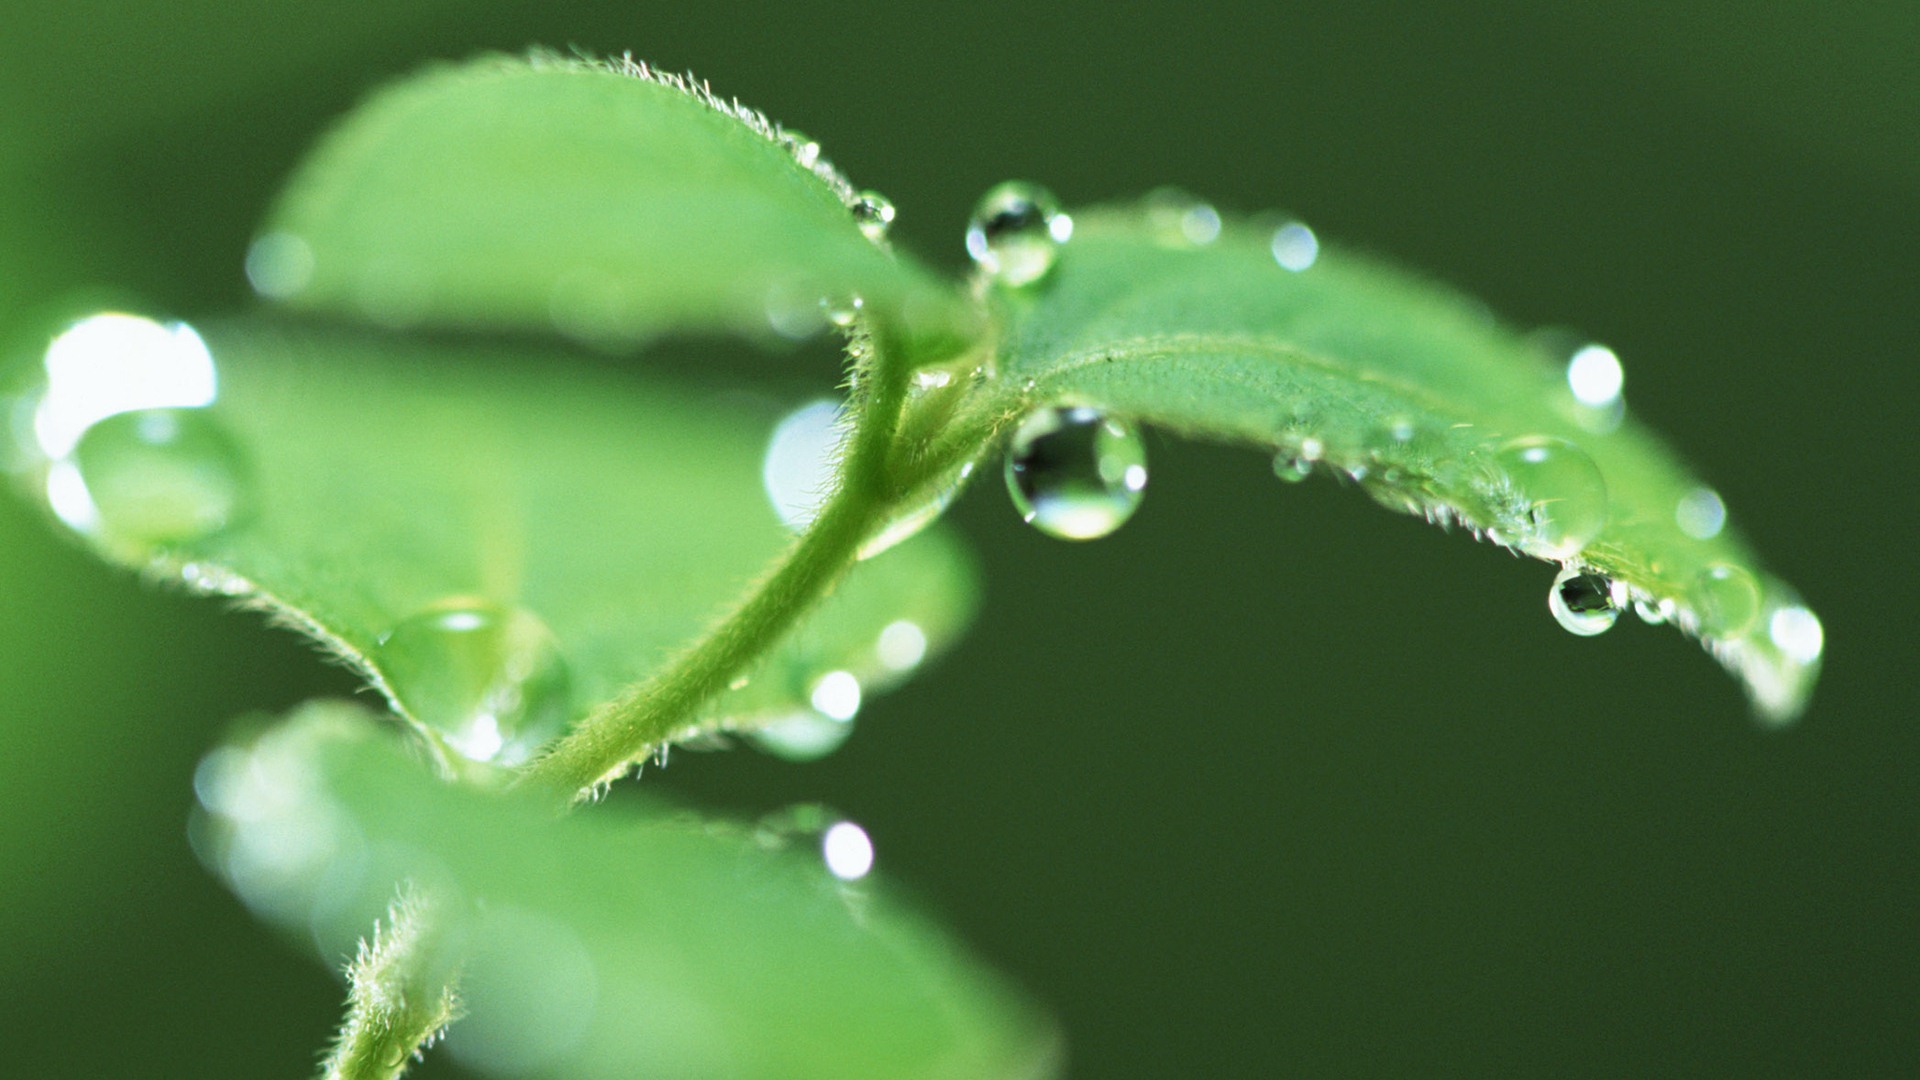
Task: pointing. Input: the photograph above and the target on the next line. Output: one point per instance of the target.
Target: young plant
(554, 572)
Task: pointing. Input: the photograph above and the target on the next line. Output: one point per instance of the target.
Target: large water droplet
(873, 212)
(155, 476)
(1566, 498)
(1016, 231)
(1075, 474)
(486, 680)
(1585, 603)
(1726, 599)
(1796, 632)
(113, 363)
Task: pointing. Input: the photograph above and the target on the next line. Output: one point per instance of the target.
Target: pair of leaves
(608, 203)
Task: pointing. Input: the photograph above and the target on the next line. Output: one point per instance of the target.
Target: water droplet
(842, 313)
(836, 695)
(803, 735)
(1566, 498)
(114, 363)
(1700, 513)
(1016, 232)
(1312, 449)
(1075, 474)
(1585, 603)
(1292, 468)
(1796, 632)
(279, 265)
(1726, 599)
(1595, 376)
(486, 680)
(1295, 247)
(799, 469)
(805, 151)
(1179, 219)
(1400, 429)
(1653, 612)
(155, 476)
(848, 851)
(902, 646)
(873, 212)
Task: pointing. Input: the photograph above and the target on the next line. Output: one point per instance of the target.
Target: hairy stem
(401, 996)
(653, 711)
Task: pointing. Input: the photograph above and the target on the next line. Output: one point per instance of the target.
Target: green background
(1270, 782)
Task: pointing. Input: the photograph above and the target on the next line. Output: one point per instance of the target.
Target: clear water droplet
(1700, 513)
(1585, 603)
(114, 363)
(159, 476)
(1075, 474)
(873, 212)
(1180, 219)
(1016, 232)
(802, 735)
(1726, 599)
(842, 313)
(1292, 468)
(1295, 247)
(805, 151)
(1565, 496)
(486, 680)
(1653, 612)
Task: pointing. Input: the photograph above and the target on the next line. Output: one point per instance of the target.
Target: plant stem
(654, 710)
(401, 998)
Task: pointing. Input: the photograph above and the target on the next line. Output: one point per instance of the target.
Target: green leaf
(609, 201)
(484, 530)
(1358, 369)
(627, 942)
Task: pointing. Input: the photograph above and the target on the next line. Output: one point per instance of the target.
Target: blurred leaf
(609, 201)
(615, 944)
(495, 536)
(1343, 364)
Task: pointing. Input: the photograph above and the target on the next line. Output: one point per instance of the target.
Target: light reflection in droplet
(69, 499)
(1700, 513)
(1295, 247)
(1595, 376)
(799, 470)
(1796, 632)
(112, 363)
(848, 851)
(902, 645)
(836, 695)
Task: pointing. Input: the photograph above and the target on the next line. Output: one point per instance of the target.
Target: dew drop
(1653, 612)
(1726, 599)
(1796, 632)
(805, 151)
(114, 363)
(1595, 376)
(1075, 474)
(1292, 468)
(1700, 513)
(873, 212)
(802, 735)
(1585, 603)
(1295, 247)
(847, 851)
(1016, 232)
(842, 313)
(486, 680)
(158, 476)
(1566, 498)
(1181, 220)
